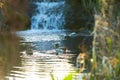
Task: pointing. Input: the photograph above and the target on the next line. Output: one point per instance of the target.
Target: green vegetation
(90, 5)
(70, 76)
(52, 76)
(108, 71)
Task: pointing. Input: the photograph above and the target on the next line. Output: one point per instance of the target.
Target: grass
(92, 5)
(70, 76)
(108, 68)
(52, 76)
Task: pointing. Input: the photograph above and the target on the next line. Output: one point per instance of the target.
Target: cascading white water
(49, 15)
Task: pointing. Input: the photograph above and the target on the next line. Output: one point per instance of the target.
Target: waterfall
(49, 15)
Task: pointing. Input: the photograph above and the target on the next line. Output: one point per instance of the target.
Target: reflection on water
(9, 53)
(41, 36)
(39, 66)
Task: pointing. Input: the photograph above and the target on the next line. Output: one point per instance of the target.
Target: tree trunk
(13, 14)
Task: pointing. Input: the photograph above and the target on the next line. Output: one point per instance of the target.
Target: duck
(29, 51)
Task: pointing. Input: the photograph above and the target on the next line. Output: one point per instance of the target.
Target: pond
(31, 55)
(46, 50)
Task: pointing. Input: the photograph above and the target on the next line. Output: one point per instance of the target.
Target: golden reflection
(39, 68)
(61, 69)
(14, 66)
(9, 53)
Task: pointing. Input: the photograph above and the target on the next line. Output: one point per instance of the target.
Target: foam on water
(48, 16)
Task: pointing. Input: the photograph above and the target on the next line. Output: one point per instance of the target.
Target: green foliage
(67, 77)
(52, 76)
(110, 70)
(110, 45)
(91, 5)
(70, 76)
